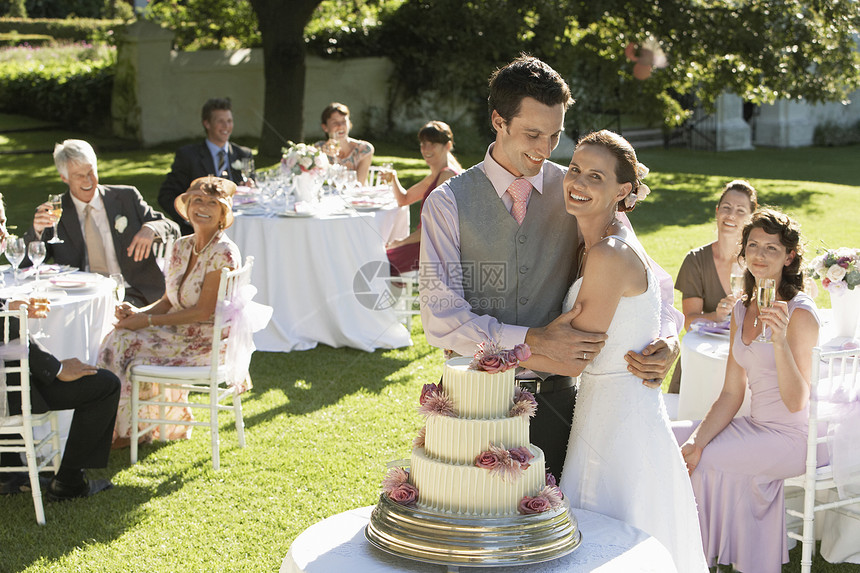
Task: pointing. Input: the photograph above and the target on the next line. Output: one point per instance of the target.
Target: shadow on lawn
(101, 519)
(317, 378)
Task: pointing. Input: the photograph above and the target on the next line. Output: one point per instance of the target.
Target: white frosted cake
(468, 464)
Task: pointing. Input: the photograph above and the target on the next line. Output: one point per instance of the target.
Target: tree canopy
(762, 50)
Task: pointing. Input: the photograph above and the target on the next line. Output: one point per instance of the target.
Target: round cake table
(608, 546)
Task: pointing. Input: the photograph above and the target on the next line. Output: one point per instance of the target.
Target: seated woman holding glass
(437, 142)
(707, 274)
(177, 329)
(737, 465)
(341, 149)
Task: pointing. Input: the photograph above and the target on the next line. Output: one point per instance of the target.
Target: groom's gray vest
(519, 274)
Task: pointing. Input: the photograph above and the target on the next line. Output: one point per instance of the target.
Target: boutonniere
(237, 165)
(120, 223)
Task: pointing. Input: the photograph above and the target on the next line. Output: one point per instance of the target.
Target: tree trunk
(282, 25)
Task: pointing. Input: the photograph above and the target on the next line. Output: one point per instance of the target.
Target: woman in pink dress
(737, 465)
(437, 143)
(176, 330)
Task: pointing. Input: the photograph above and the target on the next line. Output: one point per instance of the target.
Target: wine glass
(765, 297)
(41, 303)
(36, 252)
(119, 287)
(56, 202)
(16, 250)
(738, 280)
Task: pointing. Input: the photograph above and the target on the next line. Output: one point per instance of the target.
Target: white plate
(71, 284)
(54, 270)
(299, 214)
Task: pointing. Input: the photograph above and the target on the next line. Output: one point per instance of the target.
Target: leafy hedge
(72, 29)
(77, 95)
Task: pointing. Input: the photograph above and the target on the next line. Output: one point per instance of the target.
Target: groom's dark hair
(526, 76)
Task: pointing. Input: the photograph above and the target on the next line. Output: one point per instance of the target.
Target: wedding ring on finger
(585, 355)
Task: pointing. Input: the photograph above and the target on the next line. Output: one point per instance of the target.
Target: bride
(622, 458)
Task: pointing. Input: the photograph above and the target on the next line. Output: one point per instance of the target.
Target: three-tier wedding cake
(474, 472)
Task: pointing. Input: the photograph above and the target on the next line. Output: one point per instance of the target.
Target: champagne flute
(738, 280)
(36, 252)
(56, 202)
(119, 287)
(765, 297)
(16, 250)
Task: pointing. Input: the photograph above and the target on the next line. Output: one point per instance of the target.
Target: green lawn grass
(322, 424)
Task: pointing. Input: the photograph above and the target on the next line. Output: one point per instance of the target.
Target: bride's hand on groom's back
(562, 343)
(654, 362)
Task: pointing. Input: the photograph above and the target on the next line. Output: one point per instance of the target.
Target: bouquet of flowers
(301, 158)
(838, 269)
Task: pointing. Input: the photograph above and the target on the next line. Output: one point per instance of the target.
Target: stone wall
(159, 92)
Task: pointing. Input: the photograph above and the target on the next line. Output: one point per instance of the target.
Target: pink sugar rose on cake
(490, 358)
(548, 498)
(522, 455)
(404, 494)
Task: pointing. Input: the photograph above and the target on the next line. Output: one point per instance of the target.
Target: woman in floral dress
(177, 329)
(355, 154)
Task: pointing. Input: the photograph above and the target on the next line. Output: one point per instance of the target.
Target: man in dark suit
(106, 229)
(62, 385)
(93, 394)
(213, 156)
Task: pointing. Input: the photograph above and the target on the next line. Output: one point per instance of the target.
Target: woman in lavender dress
(737, 465)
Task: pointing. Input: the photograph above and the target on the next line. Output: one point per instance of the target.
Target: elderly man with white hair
(105, 229)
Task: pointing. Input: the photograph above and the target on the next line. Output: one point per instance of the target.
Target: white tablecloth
(608, 546)
(78, 321)
(325, 278)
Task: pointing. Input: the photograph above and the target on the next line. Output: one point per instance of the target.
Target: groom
(499, 252)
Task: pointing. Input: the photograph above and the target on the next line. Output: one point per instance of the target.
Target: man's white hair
(75, 151)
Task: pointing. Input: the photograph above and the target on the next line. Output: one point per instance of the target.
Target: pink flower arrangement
(435, 402)
(394, 478)
(548, 498)
(396, 486)
(507, 464)
(490, 358)
(524, 404)
(550, 480)
(418, 442)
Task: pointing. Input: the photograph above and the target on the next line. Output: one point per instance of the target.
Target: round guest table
(608, 546)
(325, 277)
(82, 312)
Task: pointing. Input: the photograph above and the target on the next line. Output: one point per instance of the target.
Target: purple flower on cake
(418, 442)
(404, 494)
(501, 462)
(393, 479)
(524, 404)
(490, 358)
(437, 403)
(550, 480)
(548, 498)
(522, 455)
(427, 389)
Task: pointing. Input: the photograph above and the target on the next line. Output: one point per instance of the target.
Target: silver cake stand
(455, 541)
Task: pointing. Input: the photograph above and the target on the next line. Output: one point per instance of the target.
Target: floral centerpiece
(301, 158)
(838, 269)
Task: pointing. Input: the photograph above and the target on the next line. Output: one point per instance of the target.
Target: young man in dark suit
(106, 229)
(215, 155)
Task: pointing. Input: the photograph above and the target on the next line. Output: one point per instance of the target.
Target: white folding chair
(373, 178)
(16, 361)
(161, 251)
(405, 289)
(842, 368)
(213, 380)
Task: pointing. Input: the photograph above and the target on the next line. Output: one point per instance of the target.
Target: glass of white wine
(56, 202)
(738, 281)
(16, 250)
(765, 297)
(118, 288)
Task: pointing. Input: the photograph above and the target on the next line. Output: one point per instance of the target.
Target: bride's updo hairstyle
(627, 167)
(773, 222)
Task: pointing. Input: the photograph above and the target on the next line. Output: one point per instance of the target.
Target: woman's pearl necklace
(194, 245)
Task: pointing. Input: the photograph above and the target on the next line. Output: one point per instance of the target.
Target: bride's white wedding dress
(622, 458)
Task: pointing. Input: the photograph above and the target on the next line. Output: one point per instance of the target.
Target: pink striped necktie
(519, 191)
